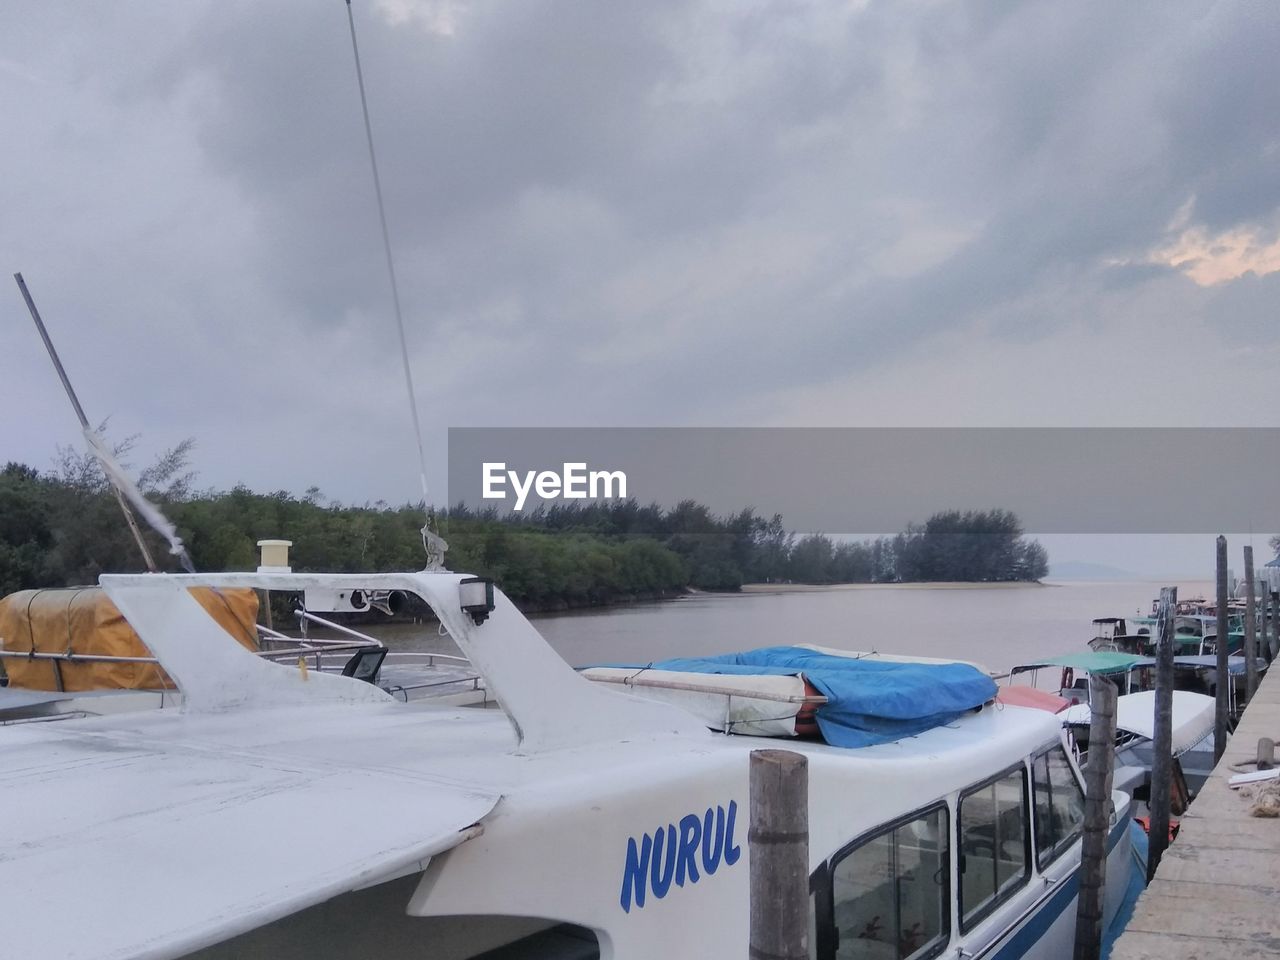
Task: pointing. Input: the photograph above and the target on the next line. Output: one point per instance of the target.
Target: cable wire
(429, 539)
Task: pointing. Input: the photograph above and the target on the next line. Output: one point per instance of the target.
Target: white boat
(1191, 743)
(281, 812)
(1192, 715)
(69, 651)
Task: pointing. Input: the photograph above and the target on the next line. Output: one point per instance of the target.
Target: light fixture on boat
(275, 556)
(476, 594)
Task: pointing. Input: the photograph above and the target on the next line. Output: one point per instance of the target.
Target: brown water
(998, 627)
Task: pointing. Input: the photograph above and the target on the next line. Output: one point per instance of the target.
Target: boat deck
(1217, 891)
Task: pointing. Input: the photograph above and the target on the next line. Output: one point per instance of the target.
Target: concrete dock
(1217, 891)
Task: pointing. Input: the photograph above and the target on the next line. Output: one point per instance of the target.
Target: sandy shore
(939, 585)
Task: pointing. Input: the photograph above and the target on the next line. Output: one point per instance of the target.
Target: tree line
(62, 526)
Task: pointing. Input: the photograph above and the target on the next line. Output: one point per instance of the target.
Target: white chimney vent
(275, 556)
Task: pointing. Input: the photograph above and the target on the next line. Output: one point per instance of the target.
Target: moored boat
(575, 821)
(69, 651)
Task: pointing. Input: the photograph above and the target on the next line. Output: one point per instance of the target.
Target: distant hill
(1076, 570)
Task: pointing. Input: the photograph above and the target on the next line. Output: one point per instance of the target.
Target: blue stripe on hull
(1027, 934)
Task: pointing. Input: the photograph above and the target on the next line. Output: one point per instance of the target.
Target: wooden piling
(1266, 754)
(264, 606)
(1098, 777)
(1250, 627)
(1274, 625)
(1264, 615)
(1223, 683)
(778, 843)
(1162, 747)
(1260, 614)
(1264, 598)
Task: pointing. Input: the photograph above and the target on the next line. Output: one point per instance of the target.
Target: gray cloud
(603, 213)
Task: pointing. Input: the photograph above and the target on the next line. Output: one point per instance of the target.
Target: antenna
(94, 446)
(431, 542)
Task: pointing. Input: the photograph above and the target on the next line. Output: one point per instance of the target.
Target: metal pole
(1223, 684)
(1162, 747)
(778, 843)
(1250, 626)
(84, 421)
(1097, 819)
(368, 640)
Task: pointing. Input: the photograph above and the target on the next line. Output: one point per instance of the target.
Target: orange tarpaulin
(1031, 697)
(83, 621)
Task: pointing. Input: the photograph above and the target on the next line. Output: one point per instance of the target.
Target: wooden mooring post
(1264, 628)
(1098, 777)
(1162, 746)
(778, 842)
(1250, 626)
(1223, 683)
(1273, 633)
(1264, 620)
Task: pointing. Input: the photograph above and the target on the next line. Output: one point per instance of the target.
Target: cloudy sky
(714, 212)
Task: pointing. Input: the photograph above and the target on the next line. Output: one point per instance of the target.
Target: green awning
(1106, 661)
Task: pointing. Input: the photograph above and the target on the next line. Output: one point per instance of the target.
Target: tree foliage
(64, 527)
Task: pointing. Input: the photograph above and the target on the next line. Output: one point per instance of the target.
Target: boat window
(1059, 805)
(891, 893)
(994, 860)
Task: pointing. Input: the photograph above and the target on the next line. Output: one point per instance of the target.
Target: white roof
(166, 833)
(1193, 715)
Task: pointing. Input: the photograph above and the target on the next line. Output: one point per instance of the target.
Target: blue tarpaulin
(1236, 663)
(868, 701)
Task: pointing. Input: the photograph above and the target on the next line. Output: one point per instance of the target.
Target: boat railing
(472, 682)
(73, 657)
(330, 655)
(322, 653)
(315, 647)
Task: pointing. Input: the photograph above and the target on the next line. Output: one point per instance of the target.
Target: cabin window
(1059, 805)
(994, 860)
(891, 892)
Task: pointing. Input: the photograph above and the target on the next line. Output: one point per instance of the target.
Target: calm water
(995, 626)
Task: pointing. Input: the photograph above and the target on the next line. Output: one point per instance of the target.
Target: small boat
(1126, 670)
(1132, 673)
(1194, 634)
(1134, 676)
(285, 812)
(1191, 740)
